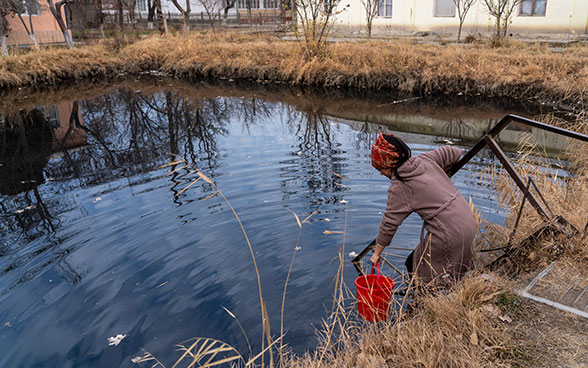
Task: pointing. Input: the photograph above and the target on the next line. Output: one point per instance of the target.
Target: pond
(98, 239)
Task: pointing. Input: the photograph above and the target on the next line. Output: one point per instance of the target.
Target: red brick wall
(45, 26)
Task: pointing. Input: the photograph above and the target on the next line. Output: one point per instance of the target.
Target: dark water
(95, 240)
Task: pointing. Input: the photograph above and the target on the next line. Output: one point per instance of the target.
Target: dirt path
(548, 336)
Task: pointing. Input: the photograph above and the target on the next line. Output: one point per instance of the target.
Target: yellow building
(531, 16)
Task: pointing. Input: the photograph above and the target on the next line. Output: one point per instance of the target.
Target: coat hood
(412, 167)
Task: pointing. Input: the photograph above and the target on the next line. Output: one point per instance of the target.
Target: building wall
(169, 8)
(46, 29)
(561, 16)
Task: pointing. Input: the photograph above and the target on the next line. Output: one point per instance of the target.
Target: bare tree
(502, 11)
(31, 7)
(212, 9)
(316, 18)
(371, 10)
(185, 14)
(7, 8)
(58, 15)
(463, 7)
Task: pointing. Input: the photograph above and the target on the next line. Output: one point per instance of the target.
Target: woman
(420, 184)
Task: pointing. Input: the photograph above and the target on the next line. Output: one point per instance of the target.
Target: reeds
(524, 72)
(451, 330)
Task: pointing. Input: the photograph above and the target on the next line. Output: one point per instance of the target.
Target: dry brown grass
(460, 329)
(525, 71)
(49, 66)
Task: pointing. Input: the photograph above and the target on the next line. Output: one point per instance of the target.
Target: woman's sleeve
(397, 209)
(444, 156)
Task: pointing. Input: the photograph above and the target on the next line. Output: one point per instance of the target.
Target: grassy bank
(519, 71)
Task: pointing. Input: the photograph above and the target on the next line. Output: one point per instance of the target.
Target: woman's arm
(444, 156)
(397, 209)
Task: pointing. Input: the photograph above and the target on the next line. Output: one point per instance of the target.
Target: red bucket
(373, 296)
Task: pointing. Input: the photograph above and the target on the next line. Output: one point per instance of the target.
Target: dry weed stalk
(208, 345)
(283, 308)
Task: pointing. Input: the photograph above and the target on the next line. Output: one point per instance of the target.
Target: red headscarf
(384, 155)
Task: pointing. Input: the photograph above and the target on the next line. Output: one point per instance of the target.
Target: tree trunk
(3, 31)
(186, 25)
(369, 27)
(165, 24)
(34, 39)
(120, 15)
(56, 11)
(68, 40)
(225, 15)
(459, 31)
(131, 8)
(101, 18)
(150, 13)
(30, 30)
(211, 19)
(160, 17)
(32, 34)
(4, 45)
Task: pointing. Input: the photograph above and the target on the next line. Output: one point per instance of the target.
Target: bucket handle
(377, 267)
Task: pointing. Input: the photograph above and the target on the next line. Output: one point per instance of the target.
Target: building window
(385, 8)
(444, 8)
(141, 5)
(246, 4)
(271, 4)
(31, 7)
(533, 7)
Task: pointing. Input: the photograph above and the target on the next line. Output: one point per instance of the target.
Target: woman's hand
(377, 253)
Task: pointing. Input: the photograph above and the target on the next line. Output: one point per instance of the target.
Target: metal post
(515, 175)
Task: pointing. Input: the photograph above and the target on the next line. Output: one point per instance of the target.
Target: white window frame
(255, 4)
(385, 8)
(271, 4)
(532, 14)
(142, 6)
(444, 16)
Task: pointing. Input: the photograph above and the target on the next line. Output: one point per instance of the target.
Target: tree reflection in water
(321, 157)
(82, 144)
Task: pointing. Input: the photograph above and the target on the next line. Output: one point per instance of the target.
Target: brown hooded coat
(426, 189)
